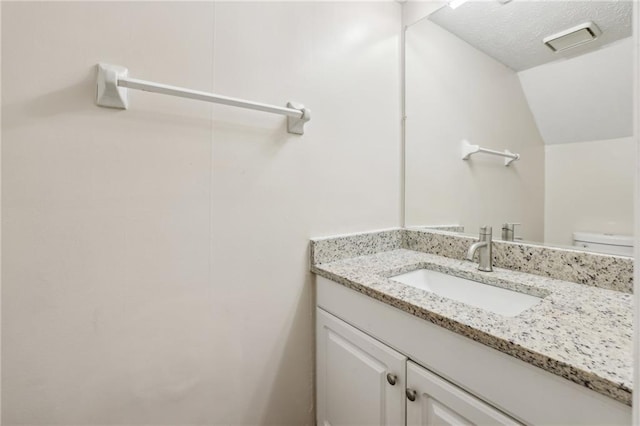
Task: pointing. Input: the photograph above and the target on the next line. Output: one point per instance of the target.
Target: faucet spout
(483, 247)
(474, 247)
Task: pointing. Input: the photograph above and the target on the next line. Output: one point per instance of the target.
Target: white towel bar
(468, 150)
(113, 82)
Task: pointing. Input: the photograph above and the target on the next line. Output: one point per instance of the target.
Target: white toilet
(604, 243)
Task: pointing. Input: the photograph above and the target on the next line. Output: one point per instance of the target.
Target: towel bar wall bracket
(295, 125)
(468, 150)
(109, 94)
(113, 84)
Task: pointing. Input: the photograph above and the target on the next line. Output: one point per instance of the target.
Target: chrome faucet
(509, 231)
(483, 247)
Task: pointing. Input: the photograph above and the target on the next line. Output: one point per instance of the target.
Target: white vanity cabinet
(373, 359)
(360, 381)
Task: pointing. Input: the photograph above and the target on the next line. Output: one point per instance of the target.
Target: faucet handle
(509, 231)
(510, 225)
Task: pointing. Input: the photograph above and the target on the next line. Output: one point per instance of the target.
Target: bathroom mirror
(550, 81)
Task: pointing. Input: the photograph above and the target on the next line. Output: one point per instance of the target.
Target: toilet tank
(604, 243)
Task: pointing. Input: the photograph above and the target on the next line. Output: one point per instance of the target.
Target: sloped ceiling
(585, 94)
(512, 33)
(587, 98)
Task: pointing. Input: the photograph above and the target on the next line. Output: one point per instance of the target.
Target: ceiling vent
(573, 37)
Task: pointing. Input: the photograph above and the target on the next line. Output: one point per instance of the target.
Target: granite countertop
(582, 333)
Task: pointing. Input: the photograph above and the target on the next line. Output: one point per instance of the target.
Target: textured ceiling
(512, 33)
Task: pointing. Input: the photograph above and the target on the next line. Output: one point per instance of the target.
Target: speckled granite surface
(582, 333)
(593, 269)
(448, 228)
(330, 249)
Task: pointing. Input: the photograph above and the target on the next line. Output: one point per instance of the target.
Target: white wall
(582, 106)
(456, 92)
(583, 98)
(589, 188)
(155, 260)
(415, 10)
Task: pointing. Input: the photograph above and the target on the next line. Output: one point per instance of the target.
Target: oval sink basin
(495, 299)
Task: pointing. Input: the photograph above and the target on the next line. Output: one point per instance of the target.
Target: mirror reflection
(546, 87)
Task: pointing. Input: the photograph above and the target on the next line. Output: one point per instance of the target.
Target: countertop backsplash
(593, 269)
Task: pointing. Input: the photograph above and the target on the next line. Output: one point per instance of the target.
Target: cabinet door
(360, 381)
(438, 402)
